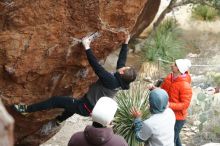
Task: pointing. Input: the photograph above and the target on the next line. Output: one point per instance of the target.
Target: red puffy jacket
(180, 94)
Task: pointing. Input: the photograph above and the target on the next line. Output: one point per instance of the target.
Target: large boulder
(6, 127)
(40, 55)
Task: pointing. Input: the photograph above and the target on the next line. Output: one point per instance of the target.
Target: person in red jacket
(178, 86)
(99, 134)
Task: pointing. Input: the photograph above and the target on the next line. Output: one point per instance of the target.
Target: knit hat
(158, 100)
(183, 65)
(104, 111)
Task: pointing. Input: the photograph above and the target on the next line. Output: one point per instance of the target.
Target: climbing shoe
(21, 108)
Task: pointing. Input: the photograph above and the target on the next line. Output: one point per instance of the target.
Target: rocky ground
(73, 124)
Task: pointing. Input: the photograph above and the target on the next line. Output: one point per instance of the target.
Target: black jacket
(108, 83)
(109, 80)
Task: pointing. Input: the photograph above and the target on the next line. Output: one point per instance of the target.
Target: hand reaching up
(86, 42)
(127, 39)
(88, 39)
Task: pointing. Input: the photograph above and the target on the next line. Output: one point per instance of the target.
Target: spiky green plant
(204, 12)
(164, 43)
(137, 97)
(214, 78)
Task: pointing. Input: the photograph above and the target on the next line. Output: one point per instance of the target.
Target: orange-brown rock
(40, 56)
(6, 127)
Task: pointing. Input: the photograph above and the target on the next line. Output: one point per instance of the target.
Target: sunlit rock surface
(40, 55)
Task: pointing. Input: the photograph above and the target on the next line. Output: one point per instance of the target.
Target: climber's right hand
(86, 42)
(127, 39)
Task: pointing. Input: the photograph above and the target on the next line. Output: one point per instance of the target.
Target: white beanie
(183, 65)
(104, 111)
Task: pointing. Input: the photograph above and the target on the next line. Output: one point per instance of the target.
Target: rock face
(6, 127)
(40, 55)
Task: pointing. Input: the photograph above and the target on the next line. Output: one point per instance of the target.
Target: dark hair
(129, 75)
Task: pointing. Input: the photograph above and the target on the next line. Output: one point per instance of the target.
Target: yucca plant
(137, 97)
(214, 77)
(203, 12)
(164, 43)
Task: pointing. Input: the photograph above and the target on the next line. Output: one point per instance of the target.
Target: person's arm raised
(108, 79)
(123, 53)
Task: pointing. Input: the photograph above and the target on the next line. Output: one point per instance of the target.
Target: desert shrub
(205, 110)
(214, 78)
(204, 12)
(164, 43)
(137, 96)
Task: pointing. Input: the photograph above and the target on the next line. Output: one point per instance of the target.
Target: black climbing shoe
(21, 108)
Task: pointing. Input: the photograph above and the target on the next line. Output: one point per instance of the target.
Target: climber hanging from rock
(108, 84)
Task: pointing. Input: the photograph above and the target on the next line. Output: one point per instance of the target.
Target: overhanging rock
(40, 55)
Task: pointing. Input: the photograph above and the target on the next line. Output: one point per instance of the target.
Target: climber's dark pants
(70, 106)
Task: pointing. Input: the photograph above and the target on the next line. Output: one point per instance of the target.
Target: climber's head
(128, 74)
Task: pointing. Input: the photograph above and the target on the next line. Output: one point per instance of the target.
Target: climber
(100, 132)
(108, 84)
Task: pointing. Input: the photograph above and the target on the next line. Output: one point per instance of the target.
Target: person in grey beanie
(158, 130)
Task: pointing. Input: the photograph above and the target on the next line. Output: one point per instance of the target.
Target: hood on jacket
(184, 77)
(188, 77)
(158, 100)
(98, 136)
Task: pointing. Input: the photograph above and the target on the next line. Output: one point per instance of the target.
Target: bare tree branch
(175, 3)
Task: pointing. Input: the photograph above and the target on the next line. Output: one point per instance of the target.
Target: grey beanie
(158, 100)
